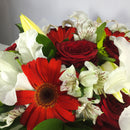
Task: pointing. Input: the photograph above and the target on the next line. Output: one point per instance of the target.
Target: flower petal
(25, 97)
(23, 83)
(66, 115)
(124, 119)
(68, 102)
(26, 115)
(32, 74)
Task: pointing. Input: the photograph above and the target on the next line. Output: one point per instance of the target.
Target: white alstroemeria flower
(9, 68)
(92, 79)
(70, 82)
(124, 119)
(118, 27)
(86, 28)
(28, 47)
(87, 110)
(10, 116)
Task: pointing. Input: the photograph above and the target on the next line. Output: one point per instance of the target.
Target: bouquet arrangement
(74, 76)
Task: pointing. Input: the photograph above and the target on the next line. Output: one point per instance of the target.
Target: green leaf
(19, 25)
(5, 108)
(100, 32)
(105, 58)
(48, 49)
(79, 125)
(50, 124)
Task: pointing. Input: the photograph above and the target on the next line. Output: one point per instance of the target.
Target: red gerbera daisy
(46, 101)
(57, 36)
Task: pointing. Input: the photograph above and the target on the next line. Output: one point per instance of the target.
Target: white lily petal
(124, 119)
(8, 62)
(116, 81)
(23, 83)
(9, 68)
(124, 51)
(28, 47)
(7, 96)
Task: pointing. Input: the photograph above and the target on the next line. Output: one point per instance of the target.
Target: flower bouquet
(74, 76)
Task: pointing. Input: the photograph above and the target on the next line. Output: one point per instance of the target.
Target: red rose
(111, 109)
(111, 49)
(76, 52)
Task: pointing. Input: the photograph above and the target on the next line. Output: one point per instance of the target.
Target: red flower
(12, 47)
(76, 52)
(111, 49)
(116, 33)
(57, 36)
(46, 101)
(111, 109)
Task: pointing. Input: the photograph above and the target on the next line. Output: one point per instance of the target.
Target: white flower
(86, 28)
(124, 119)
(9, 68)
(70, 82)
(87, 110)
(10, 116)
(28, 47)
(118, 27)
(92, 79)
(121, 75)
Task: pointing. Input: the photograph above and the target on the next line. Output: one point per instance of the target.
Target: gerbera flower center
(46, 95)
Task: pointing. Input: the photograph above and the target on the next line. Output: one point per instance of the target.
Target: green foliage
(56, 124)
(50, 124)
(19, 25)
(101, 33)
(102, 54)
(48, 49)
(5, 108)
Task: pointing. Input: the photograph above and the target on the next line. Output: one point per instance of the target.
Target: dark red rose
(111, 49)
(12, 47)
(111, 111)
(76, 52)
(58, 36)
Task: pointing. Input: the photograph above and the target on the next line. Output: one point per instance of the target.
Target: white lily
(87, 110)
(119, 78)
(9, 68)
(70, 82)
(124, 119)
(92, 79)
(10, 116)
(86, 28)
(28, 47)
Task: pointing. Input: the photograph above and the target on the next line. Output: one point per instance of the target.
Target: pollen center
(46, 95)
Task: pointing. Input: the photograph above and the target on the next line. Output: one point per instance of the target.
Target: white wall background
(44, 12)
